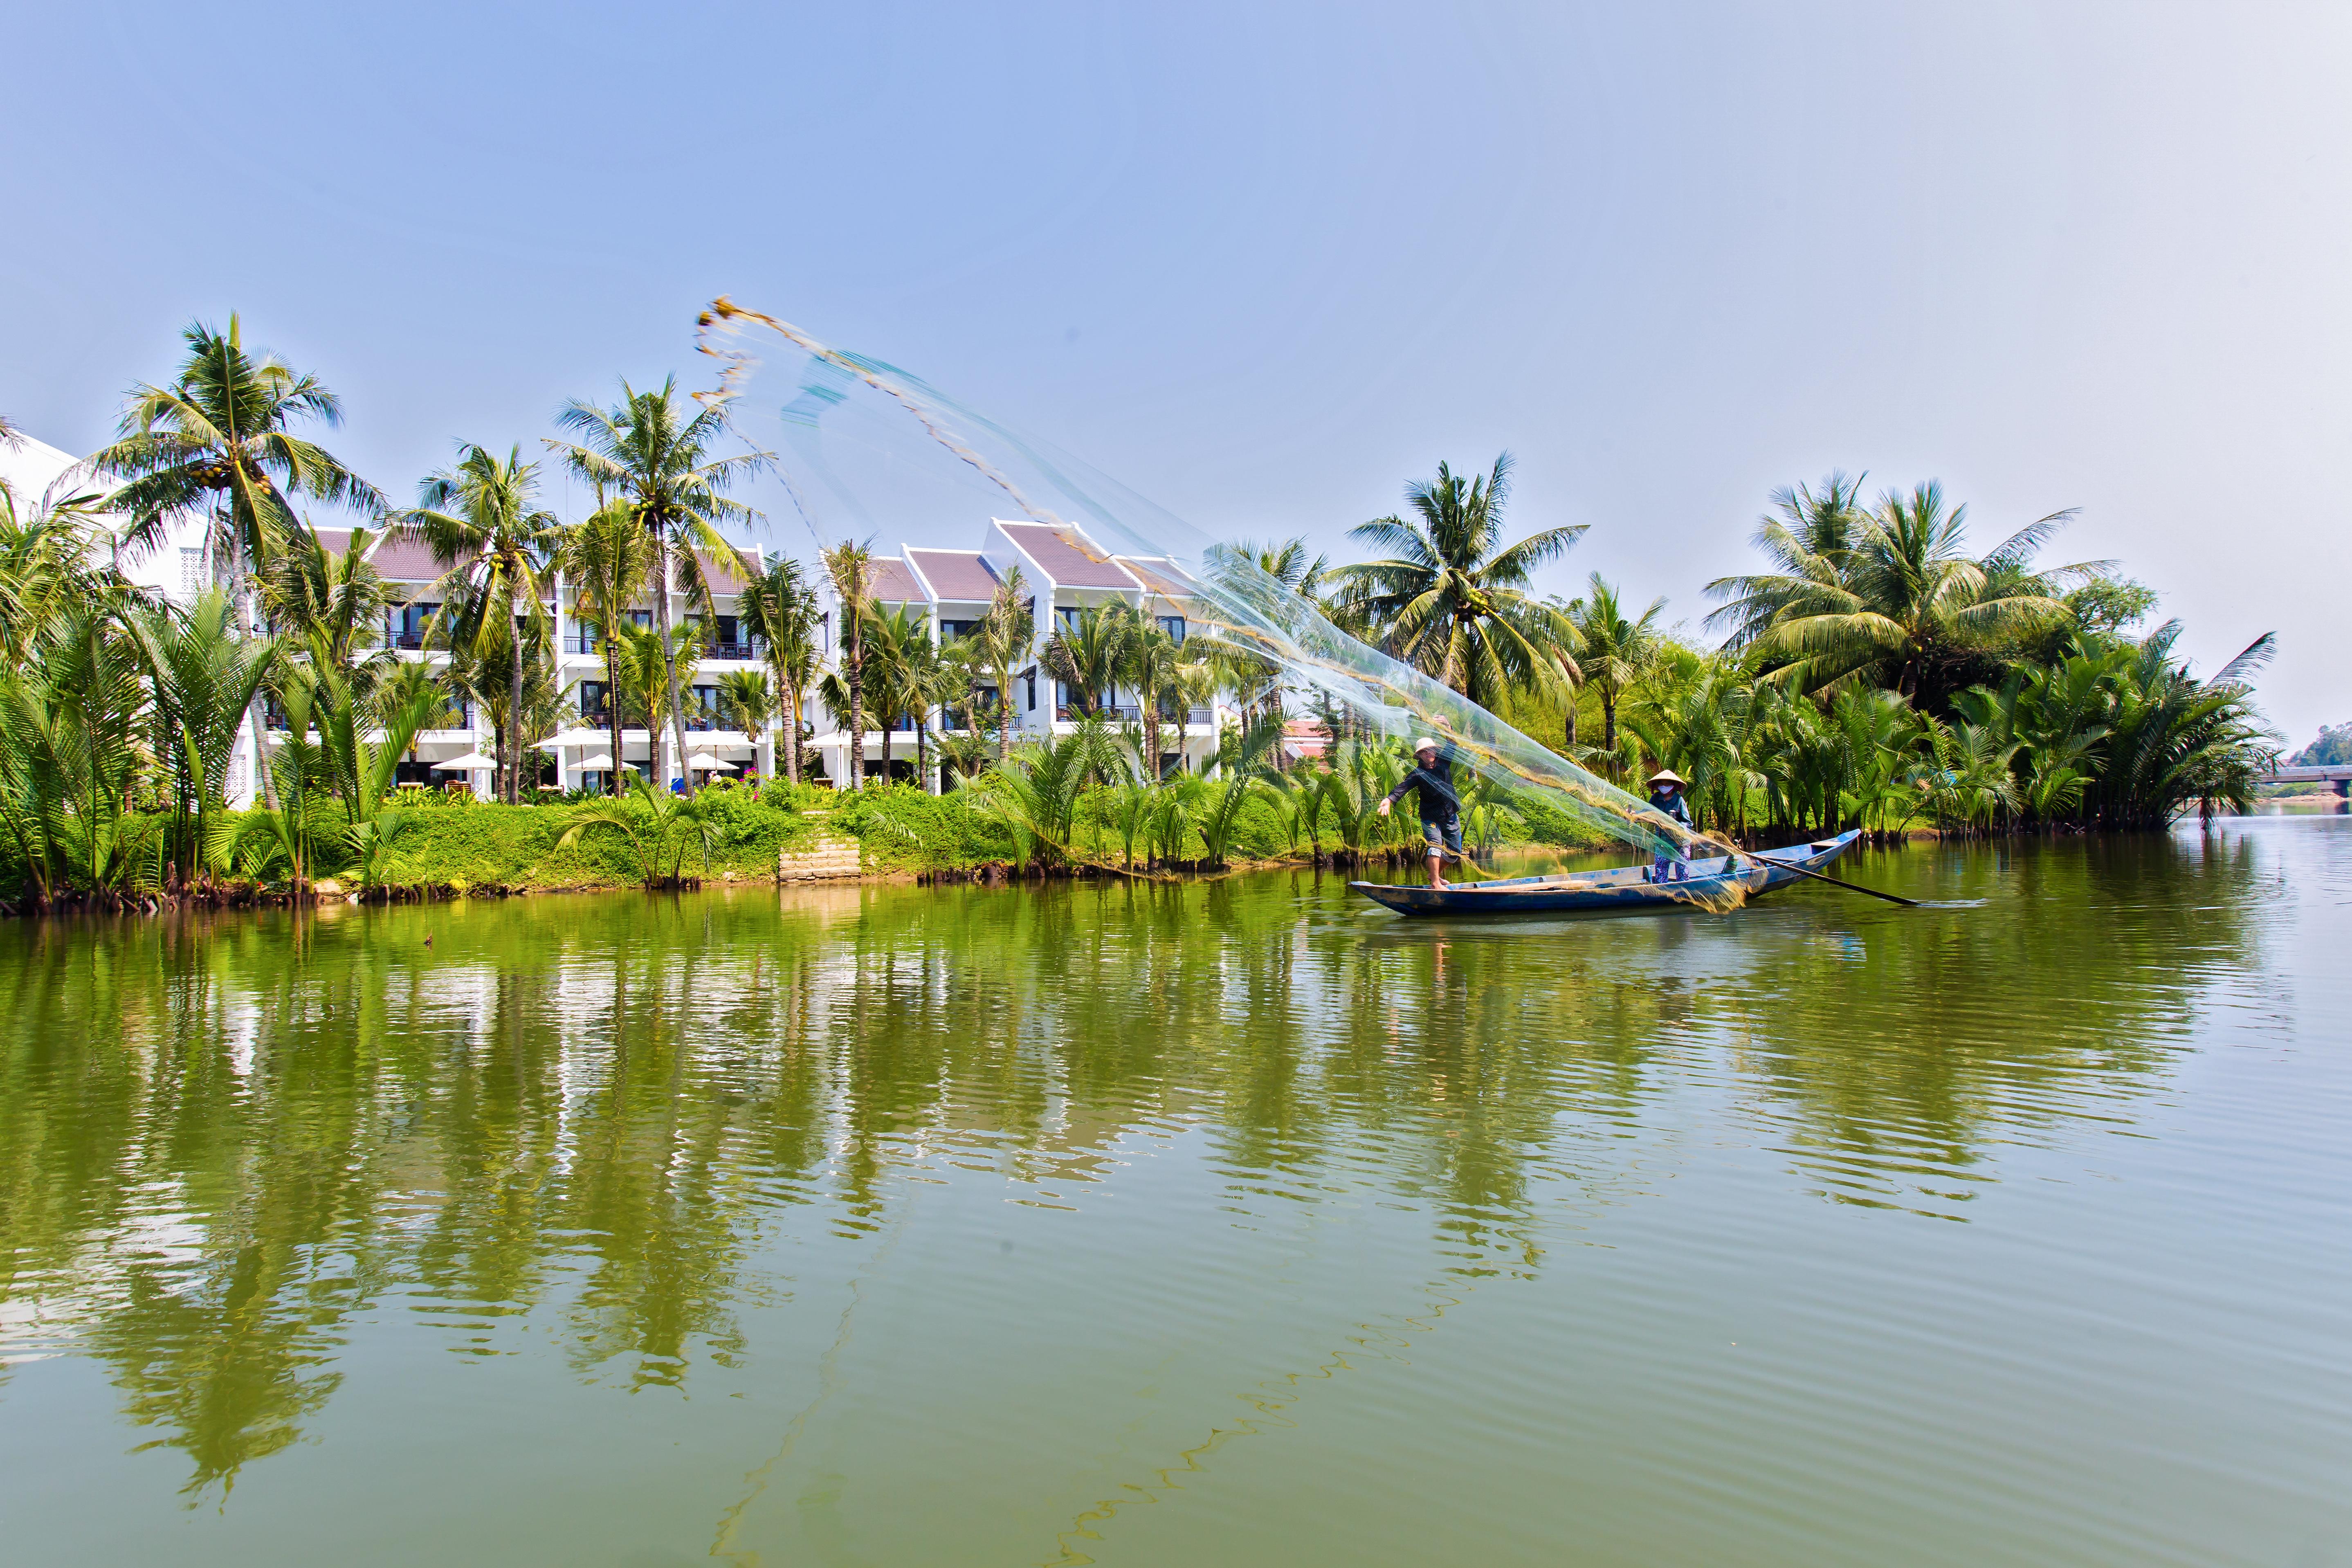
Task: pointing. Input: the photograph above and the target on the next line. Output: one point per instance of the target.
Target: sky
(1267, 262)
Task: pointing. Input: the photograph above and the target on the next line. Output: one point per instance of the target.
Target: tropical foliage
(1877, 671)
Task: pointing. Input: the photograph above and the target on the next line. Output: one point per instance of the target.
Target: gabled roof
(401, 557)
(723, 573)
(892, 583)
(1067, 556)
(961, 575)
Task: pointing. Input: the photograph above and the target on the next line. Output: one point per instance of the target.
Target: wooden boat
(1626, 890)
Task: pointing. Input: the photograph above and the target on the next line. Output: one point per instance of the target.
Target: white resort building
(1065, 573)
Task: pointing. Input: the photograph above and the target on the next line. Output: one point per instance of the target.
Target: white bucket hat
(1425, 744)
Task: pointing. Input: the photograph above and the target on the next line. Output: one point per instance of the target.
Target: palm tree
(1449, 603)
(652, 454)
(336, 604)
(1001, 641)
(608, 557)
(1153, 667)
(1612, 651)
(481, 522)
(778, 609)
(1088, 655)
(215, 443)
(747, 701)
(1904, 604)
(47, 552)
(1286, 561)
(646, 658)
(206, 675)
(851, 567)
(1807, 535)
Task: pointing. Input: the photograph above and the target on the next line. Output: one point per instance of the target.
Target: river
(1239, 1223)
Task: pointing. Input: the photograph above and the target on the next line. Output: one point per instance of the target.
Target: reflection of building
(1065, 574)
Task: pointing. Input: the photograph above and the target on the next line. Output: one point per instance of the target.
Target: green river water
(1237, 1223)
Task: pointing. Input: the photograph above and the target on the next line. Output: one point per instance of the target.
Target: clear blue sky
(1267, 262)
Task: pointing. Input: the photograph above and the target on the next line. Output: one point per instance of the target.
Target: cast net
(866, 450)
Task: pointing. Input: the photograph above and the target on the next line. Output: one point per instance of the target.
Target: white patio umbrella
(707, 763)
(467, 763)
(596, 762)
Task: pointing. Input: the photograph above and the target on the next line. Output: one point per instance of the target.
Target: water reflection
(225, 1143)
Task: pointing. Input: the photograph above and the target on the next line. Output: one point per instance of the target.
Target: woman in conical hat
(1666, 799)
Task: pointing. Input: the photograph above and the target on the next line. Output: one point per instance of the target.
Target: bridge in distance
(2337, 774)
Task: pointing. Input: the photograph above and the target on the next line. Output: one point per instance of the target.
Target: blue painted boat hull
(1622, 890)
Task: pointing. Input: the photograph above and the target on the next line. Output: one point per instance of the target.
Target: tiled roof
(892, 583)
(959, 574)
(723, 573)
(403, 557)
(1067, 556)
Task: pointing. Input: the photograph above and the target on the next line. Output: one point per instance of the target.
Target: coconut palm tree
(1287, 561)
(608, 558)
(1153, 668)
(1087, 654)
(778, 609)
(652, 455)
(480, 518)
(646, 658)
(851, 567)
(1807, 536)
(334, 604)
(215, 443)
(1612, 652)
(1906, 606)
(1001, 642)
(1449, 603)
(747, 702)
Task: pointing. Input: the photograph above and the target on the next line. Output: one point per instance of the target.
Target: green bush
(901, 827)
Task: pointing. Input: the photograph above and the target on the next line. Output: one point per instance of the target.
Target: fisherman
(1666, 799)
(1441, 807)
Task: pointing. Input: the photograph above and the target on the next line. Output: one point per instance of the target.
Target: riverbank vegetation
(1873, 671)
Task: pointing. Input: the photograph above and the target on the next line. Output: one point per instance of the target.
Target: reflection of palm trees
(595, 1110)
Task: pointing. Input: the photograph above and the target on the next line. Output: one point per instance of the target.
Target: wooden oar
(1833, 881)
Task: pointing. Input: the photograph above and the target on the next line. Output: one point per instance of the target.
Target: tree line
(1875, 672)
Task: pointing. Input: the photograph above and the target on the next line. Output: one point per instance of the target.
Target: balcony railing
(412, 642)
(584, 642)
(747, 650)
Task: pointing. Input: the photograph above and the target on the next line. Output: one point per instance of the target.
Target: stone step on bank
(833, 857)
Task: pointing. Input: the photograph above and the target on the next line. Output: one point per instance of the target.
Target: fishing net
(862, 448)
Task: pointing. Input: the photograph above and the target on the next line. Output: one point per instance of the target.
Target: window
(1173, 625)
(1029, 678)
(595, 701)
(951, 630)
(702, 708)
(641, 619)
(1067, 616)
(405, 626)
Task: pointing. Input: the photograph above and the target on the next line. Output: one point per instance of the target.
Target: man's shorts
(1448, 833)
